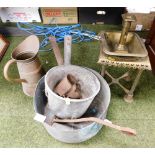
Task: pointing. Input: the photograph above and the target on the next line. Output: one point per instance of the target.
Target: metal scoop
(108, 123)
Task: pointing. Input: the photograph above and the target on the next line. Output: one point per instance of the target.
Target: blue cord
(77, 33)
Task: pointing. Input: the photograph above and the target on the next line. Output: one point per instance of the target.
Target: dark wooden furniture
(112, 15)
(150, 45)
(3, 46)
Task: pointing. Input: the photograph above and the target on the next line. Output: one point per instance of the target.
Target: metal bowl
(74, 132)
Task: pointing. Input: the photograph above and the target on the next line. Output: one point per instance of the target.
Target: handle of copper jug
(6, 69)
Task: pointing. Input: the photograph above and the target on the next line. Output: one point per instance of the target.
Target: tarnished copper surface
(28, 64)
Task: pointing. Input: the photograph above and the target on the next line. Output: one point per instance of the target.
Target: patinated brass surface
(124, 43)
(134, 46)
(127, 19)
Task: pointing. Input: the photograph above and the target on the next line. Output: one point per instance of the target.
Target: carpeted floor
(18, 129)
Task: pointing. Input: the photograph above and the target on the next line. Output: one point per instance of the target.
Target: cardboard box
(144, 21)
(58, 15)
(21, 14)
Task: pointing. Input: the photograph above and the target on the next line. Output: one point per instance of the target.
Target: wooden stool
(139, 64)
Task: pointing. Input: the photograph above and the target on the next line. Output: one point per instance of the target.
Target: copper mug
(28, 64)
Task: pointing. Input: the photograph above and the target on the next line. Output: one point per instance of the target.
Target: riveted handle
(67, 49)
(6, 69)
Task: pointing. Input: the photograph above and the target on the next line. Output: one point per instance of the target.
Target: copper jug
(28, 64)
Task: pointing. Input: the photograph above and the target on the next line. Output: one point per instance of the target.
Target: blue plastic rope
(76, 31)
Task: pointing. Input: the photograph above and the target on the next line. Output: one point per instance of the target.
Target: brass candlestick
(127, 19)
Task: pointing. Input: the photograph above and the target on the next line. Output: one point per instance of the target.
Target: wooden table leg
(129, 96)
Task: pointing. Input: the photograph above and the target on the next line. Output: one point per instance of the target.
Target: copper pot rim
(30, 59)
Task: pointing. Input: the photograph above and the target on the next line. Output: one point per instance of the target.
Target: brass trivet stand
(131, 63)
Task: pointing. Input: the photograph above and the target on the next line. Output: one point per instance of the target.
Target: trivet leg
(128, 77)
(103, 70)
(129, 96)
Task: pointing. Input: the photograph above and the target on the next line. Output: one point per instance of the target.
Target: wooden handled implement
(56, 50)
(124, 130)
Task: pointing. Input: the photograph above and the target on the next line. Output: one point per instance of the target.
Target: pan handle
(56, 50)
(67, 49)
